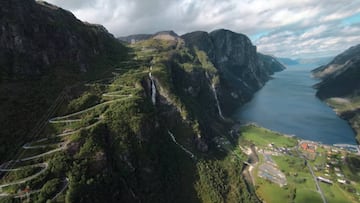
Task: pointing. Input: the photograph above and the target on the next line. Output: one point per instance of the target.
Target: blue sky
(352, 19)
(284, 28)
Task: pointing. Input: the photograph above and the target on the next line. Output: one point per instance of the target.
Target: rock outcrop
(35, 37)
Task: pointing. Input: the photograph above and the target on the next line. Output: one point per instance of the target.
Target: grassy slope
(263, 137)
(344, 107)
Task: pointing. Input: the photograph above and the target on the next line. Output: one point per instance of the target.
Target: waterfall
(217, 101)
(182, 147)
(153, 92)
(215, 95)
(153, 89)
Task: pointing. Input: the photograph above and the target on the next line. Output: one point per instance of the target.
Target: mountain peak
(166, 35)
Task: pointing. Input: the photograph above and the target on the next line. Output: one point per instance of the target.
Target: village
(301, 168)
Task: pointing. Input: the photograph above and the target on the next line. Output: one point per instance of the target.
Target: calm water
(288, 104)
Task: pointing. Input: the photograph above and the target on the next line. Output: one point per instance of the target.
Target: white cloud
(294, 28)
(324, 40)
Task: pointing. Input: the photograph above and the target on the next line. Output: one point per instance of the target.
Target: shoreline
(345, 118)
(300, 140)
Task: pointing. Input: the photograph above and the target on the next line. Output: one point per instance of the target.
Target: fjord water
(288, 104)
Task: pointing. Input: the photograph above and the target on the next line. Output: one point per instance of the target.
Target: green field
(262, 137)
(270, 192)
(299, 177)
(334, 194)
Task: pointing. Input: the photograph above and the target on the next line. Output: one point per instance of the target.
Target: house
(304, 146)
(308, 147)
(325, 180)
(341, 181)
(339, 175)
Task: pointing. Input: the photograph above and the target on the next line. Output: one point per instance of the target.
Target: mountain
(340, 85)
(288, 61)
(88, 119)
(142, 37)
(270, 64)
(341, 76)
(45, 38)
(317, 61)
(44, 49)
(134, 38)
(242, 70)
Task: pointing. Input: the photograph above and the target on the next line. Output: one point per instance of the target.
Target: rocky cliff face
(341, 77)
(242, 71)
(36, 36)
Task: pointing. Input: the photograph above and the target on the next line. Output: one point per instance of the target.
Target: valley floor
(299, 170)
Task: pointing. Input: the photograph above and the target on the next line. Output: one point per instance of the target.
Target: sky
(284, 28)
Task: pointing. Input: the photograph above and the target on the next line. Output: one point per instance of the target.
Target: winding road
(6, 167)
(64, 119)
(43, 165)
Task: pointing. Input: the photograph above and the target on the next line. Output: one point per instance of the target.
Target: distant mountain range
(316, 61)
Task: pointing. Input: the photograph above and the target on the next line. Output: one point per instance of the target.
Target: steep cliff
(242, 70)
(37, 38)
(340, 85)
(341, 76)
